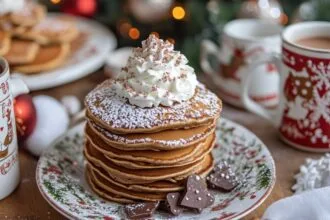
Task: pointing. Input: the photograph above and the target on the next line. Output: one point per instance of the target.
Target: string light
(178, 12)
(55, 1)
(124, 28)
(134, 33)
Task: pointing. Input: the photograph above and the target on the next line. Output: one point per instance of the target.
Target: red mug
(303, 115)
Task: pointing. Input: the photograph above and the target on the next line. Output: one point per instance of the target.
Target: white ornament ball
(150, 11)
(72, 104)
(52, 122)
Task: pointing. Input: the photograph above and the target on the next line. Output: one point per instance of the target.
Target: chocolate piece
(223, 177)
(196, 194)
(142, 210)
(172, 203)
(210, 201)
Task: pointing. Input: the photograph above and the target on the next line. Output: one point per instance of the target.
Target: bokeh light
(55, 1)
(134, 33)
(86, 6)
(124, 28)
(178, 12)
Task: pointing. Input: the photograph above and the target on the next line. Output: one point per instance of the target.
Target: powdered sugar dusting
(171, 143)
(103, 104)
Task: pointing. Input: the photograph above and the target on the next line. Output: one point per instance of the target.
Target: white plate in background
(87, 59)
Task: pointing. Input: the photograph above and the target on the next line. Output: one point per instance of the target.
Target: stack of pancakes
(31, 42)
(142, 154)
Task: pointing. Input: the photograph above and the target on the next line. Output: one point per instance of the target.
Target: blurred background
(186, 22)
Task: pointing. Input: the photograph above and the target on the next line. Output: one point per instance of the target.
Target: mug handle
(250, 104)
(17, 86)
(208, 48)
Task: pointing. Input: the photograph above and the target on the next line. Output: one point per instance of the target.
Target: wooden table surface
(27, 203)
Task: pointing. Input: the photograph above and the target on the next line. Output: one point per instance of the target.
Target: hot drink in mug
(303, 116)
(9, 166)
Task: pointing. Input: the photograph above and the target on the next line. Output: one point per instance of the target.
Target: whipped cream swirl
(7, 6)
(156, 75)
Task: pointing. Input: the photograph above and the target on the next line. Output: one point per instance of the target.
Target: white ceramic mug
(9, 166)
(243, 41)
(303, 115)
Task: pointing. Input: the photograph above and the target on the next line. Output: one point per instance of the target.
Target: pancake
(106, 195)
(202, 170)
(21, 52)
(149, 156)
(29, 16)
(47, 58)
(163, 140)
(154, 159)
(107, 186)
(207, 148)
(110, 186)
(52, 30)
(139, 176)
(5, 41)
(157, 186)
(116, 115)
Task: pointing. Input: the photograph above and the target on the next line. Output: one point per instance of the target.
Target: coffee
(315, 42)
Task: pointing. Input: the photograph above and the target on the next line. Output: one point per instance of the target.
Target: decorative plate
(87, 59)
(61, 181)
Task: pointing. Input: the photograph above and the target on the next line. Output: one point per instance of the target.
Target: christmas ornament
(263, 9)
(304, 12)
(52, 122)
(79, 7)
(311, 11)
(26, 116)
(150, 11)
(313, 174)
(72, 104)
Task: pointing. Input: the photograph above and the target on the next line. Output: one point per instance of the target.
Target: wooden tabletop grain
(27, 203)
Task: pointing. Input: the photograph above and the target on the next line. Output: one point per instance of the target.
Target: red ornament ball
(26, 116)
(80, 7)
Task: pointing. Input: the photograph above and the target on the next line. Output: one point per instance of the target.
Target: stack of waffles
(138, 153)
(32, 42)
